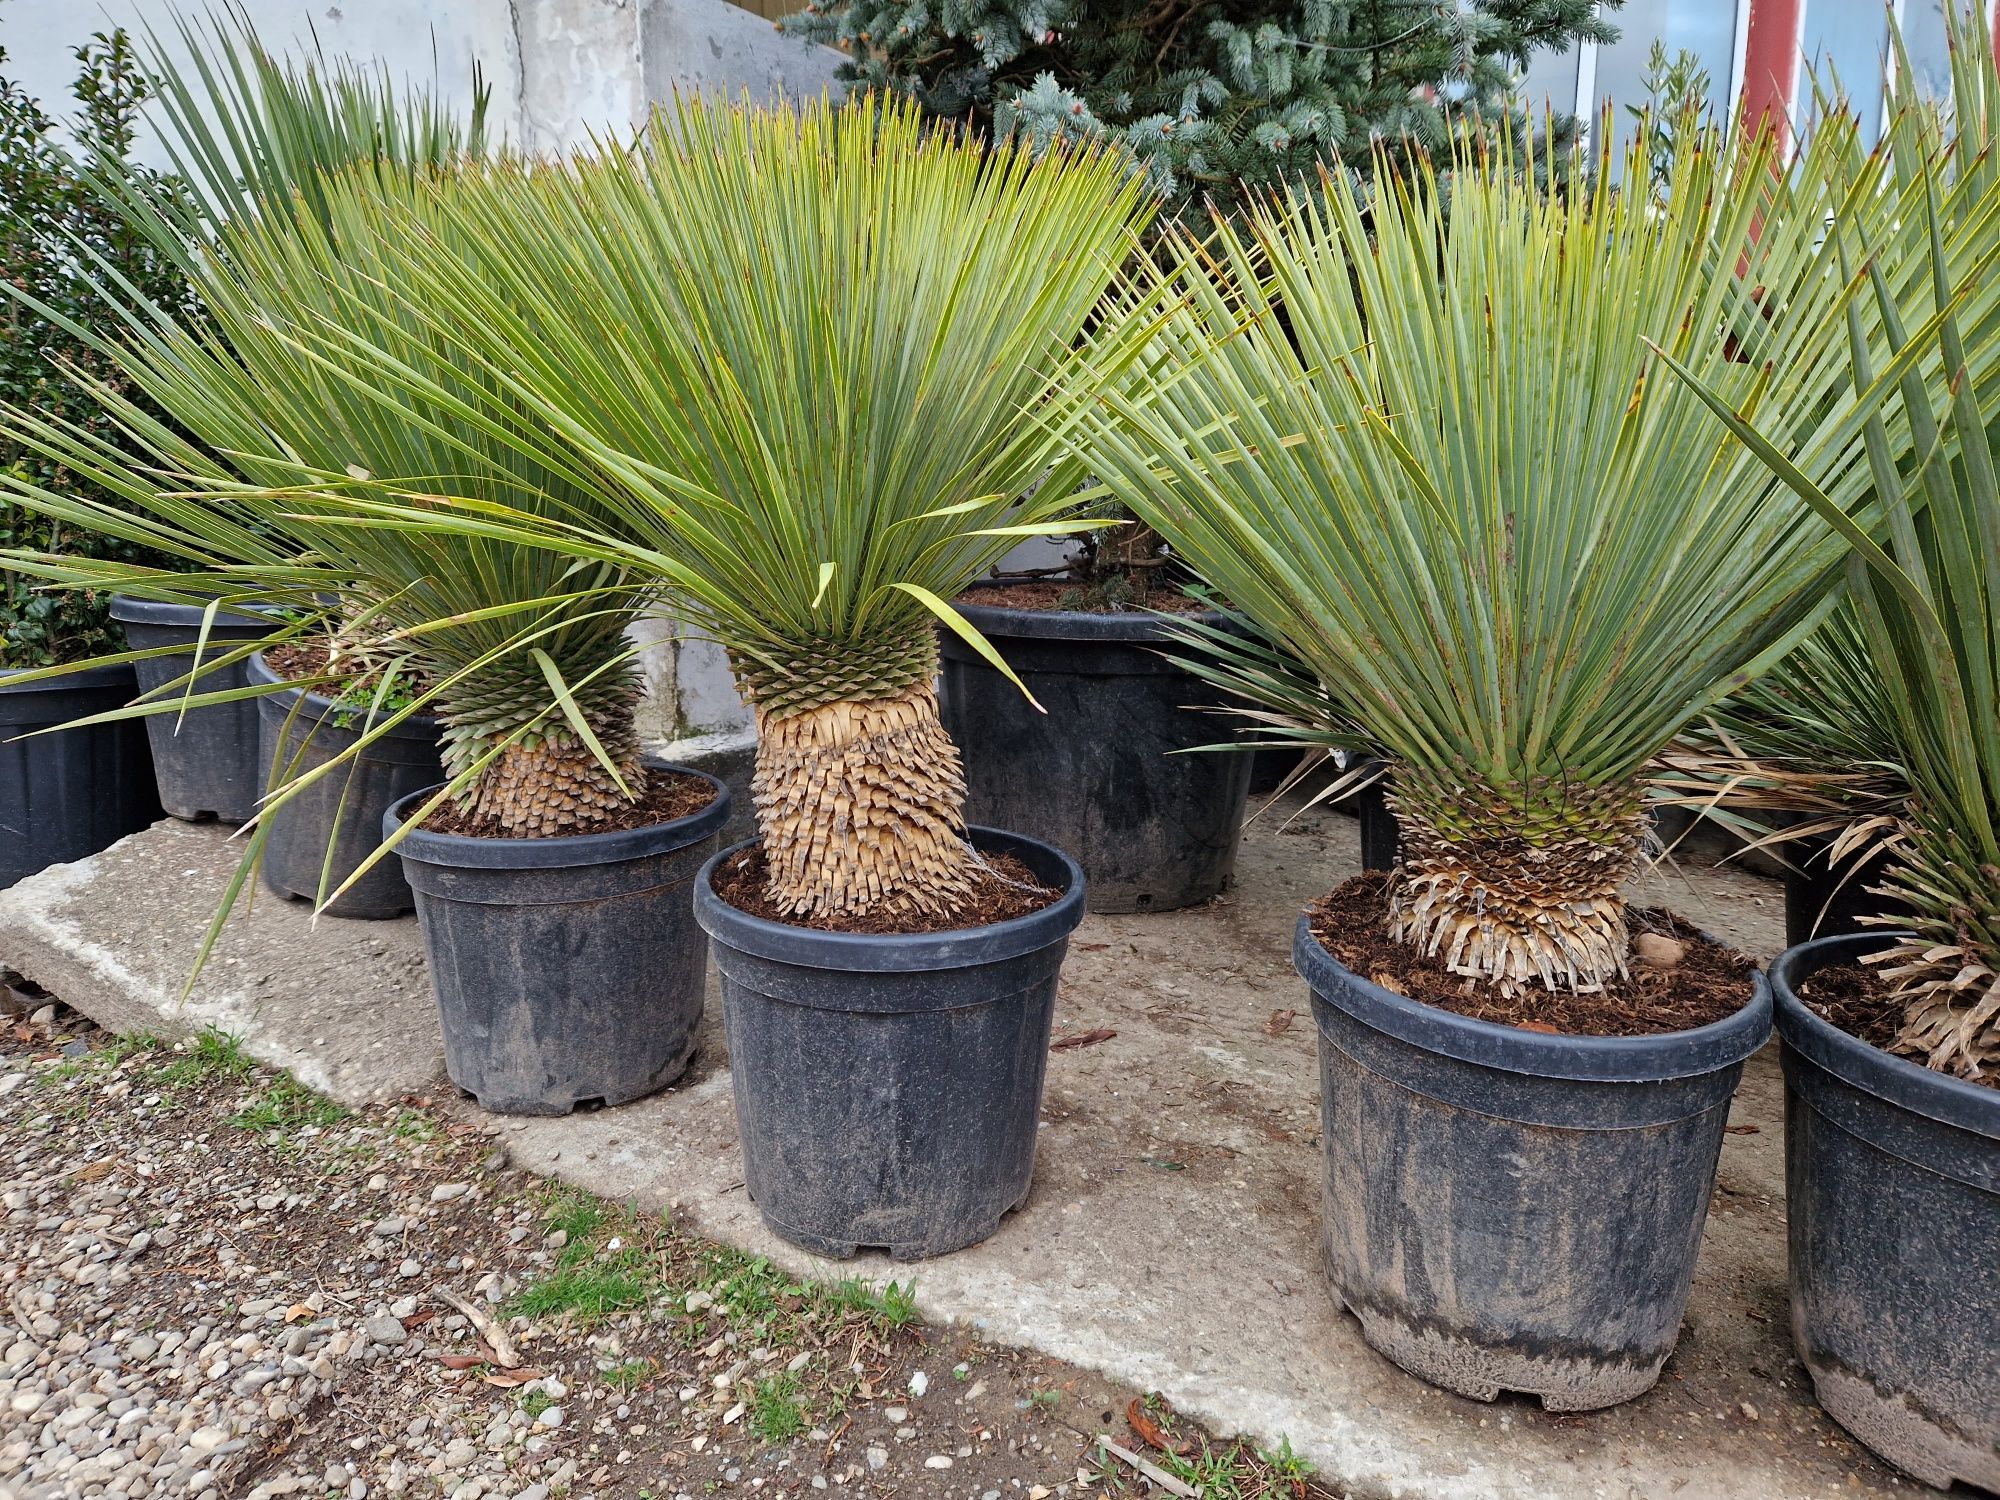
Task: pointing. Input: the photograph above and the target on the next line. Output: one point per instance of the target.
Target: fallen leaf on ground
(1151, 1433)
(1280, 1021)
(1081, 1039)
(297, 1311)
(418, 1319)
(1742, 1130)
(506, 1379)
(95, 1171)
(464, 1361)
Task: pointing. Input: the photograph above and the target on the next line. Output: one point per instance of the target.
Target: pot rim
(462, 851)
(88, 679)
(1590, 1059)
(418, 726)
(1894, 1080)
(896, 953)
(1136, 626)
(128, 609)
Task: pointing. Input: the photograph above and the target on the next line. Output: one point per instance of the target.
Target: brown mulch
(1013, 891)
(1709, 982)
(667, 797)
(1858, 1000)
(1049, 596)
(297, 660)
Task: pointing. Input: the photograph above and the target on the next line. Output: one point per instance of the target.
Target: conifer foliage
(1211, 96)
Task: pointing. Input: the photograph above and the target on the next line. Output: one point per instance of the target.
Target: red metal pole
(1771, 63)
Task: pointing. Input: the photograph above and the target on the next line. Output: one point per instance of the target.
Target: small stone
(551, 1416)
(445, 1192)
(1749, 1410)
(896, 1414)
(938, 1461)
(700, 1301)
(337, 1476)
(44, 1018)
(1658, 951)
(878, 1459)
(390, 1227)
(11, 1082)
(919, 1383)
(409, 1268)
(385, 1328)
(207, 1439)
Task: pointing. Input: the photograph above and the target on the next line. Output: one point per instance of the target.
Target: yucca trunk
(1517, 888)
(859, 793)
(546, 781)
(1948, 975)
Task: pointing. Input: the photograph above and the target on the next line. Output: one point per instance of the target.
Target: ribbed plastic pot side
(1103, 773)
(1508, 1210)
(567, 970)
(888, 1088)
(345, 807)
(67, 795)
(206, 758)
(1892, 1176)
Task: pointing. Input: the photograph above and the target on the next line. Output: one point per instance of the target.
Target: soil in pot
(299, 730)
(568, 971)
(1509, 1207)
(1892, 1183)
(67, 795)
(888, 1085)
(1102, 773)
(206, 758)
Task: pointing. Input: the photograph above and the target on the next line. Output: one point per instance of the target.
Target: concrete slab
(1170, 1241)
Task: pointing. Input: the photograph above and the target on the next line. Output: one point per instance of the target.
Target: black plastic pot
(1892, 1182)
(1508, 1210)
(1381, 840)
(1097, 774)
(888, 1088)
(1269, 768)
(1823, 899)
(344, 809)
(206, 759)
(66, 795)
(567, 971)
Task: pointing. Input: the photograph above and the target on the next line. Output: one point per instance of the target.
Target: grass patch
(579, 1215)
(212, 1053)
(627, 1376)
(287, 1107)
(777, 1414)
(589, 1291)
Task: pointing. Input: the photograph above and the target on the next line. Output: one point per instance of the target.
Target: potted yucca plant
(1444, 473)
(552, 867)
(806, 352)
(251, 133)
(1892, 1035)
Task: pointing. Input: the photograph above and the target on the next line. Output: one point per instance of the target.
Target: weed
(777, 1414)
(627, 1377)
(893, 1305)
(534, 1403)
(212, 1053)
(1044, 1401)
(286, 1107)
(1284, 1463)
(414, 1126)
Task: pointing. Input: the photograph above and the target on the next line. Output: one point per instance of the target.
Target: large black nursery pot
(1828, 899)
(1510, 1210)
(345, 807)
(1097, 774)
(66, 795)
(206, 758)
(567, 970)
(1892, 1182)
(888, 1089)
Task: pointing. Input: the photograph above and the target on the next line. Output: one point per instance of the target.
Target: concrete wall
(562, 72)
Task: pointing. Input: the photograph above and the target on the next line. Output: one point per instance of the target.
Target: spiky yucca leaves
(1444, 472)
(310, 380)
(1924, 580)
(806, 351)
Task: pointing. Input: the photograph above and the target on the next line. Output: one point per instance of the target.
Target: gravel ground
(215, 1283)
